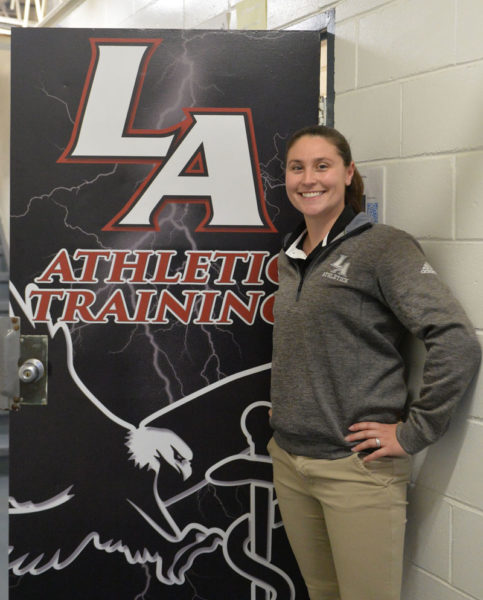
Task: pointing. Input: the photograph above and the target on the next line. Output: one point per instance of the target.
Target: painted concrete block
(350, 8)
(219, 22)
(419, 585)
(476, 404)
(469, 196)
(419, 197)
(453, 467)
(469, 41)
(195, 12)
(370, 120)
(118, 11)
(5, 140)
(428, 536)
(160, 14)
(459, 265)
(442, 111)
(468, 551)
(138, 4)
(85, 15)
(405, 38)
(345, 56)
(283, 12)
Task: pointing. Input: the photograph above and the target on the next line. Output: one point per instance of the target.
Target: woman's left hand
(379, 437)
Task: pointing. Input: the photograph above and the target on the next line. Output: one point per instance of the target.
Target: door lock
(31, 371)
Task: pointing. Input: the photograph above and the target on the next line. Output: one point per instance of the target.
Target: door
(147, 212)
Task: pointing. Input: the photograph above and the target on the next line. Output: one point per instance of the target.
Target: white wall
(4, 219)
(409, 83)
(4, 135)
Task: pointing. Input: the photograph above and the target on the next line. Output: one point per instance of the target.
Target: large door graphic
(147, 212)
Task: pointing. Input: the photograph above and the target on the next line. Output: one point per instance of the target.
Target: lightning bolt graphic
(142, 595)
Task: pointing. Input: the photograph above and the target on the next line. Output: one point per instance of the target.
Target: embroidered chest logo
(338, 269)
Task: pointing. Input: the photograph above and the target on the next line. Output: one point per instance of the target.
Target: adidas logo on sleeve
(427, 268)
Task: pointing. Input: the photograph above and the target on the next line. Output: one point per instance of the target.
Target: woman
(349, 290)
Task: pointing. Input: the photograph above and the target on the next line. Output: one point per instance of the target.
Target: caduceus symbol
(248, 544)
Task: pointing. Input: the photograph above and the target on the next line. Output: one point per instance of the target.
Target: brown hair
(353, 192)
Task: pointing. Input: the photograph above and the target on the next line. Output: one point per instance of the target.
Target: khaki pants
(345, 521)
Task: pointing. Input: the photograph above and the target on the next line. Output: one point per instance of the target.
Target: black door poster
(147, 212)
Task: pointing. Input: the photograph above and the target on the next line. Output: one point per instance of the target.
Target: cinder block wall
(409, 83)
(4, 134)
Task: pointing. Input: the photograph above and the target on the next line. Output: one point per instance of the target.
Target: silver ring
(378, 442)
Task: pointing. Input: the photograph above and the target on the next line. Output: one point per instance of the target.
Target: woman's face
(316, 178)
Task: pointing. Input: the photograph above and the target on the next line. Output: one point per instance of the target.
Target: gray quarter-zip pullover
(339, 323)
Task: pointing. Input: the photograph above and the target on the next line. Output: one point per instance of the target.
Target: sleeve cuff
(409, 438)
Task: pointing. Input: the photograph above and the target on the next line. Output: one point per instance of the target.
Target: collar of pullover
(347, 222)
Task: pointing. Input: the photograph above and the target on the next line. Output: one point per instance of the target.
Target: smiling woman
(343, 430)
(315, 181)
(320, 179)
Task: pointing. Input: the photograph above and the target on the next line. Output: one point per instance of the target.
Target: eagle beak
(184, 467)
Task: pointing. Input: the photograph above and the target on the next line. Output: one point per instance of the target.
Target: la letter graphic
(209, 158)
